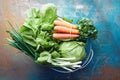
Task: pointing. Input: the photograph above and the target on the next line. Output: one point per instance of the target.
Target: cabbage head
(73, 49)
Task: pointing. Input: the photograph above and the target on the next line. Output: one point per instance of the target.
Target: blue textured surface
(106, 17)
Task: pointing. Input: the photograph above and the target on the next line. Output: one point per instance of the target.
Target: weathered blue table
(105, 64)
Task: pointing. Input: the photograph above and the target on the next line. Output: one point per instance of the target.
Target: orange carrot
(64, 36)
(64, 23)
(66, 30)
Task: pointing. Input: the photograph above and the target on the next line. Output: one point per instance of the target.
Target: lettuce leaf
(49, 13)
(28, 36)
(73, 49)
(37, 21)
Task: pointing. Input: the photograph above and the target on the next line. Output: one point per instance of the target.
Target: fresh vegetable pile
(51, 40)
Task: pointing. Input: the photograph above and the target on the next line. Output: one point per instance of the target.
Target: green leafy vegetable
(47, 27)
(28, 36)
(55, 54)
(19, 43)
(37, 21)
(49, 13)
(67, 19)
(44, 40)
(87, 29)
(33, 20)
(30, 29)
(43, 58)
(33, 13)
(73, 49)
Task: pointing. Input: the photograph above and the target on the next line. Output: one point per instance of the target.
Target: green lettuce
(43, 58)
(49, 13)
(73, 49)
(37, 21)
